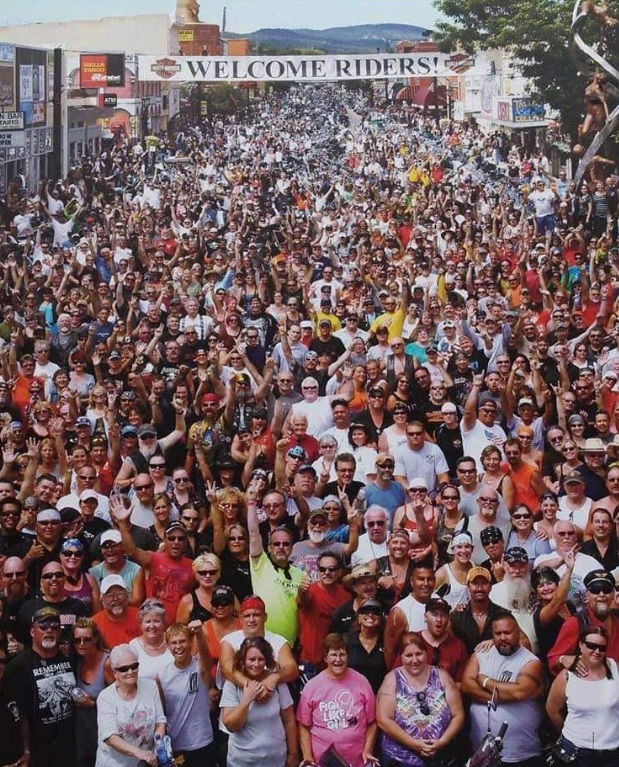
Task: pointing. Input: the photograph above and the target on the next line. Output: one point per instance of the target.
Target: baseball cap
(68, 515)
(319, 512)
(46, 615)
(310, 355)
(572, 476)
(297, 452)
(478, 572)
(110, 536)
(113, 356)
(112, 580)
(83, 421)
(370, 606)
(306, 468)
(491, 534)
(417, 483)
(525, 401)
(449, 407)
(129, 431)
(175, 526)
(306, 325)
(516, 554)
(436, 603)
(147, 429)
(86, 495)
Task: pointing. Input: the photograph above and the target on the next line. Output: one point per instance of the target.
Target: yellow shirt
(392, 320)
(335, 323)
(279, 595)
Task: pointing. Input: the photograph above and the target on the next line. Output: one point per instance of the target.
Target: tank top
(411, 526)
(409, 717)
(86, 732)
(84, 594)
(593, 711)
(458, 594)
(198, 611)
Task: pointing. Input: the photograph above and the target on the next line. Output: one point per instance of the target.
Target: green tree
(224, 99)
(537, 34)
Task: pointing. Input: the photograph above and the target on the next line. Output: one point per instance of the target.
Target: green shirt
(279, 595)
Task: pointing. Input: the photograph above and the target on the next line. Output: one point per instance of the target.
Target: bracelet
(485, 682)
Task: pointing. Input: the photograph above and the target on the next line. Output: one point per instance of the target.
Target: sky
(242, 15)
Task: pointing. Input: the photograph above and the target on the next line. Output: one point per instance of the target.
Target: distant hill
(364, 38)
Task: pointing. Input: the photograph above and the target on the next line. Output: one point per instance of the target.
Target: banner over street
(208, 69)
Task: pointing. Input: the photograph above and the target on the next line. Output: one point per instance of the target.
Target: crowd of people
(309, 425)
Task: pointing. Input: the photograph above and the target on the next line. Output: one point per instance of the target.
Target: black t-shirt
(235, 573)
(41, 689)
(11, 744)
(450, 442)
(365, 418)
(70, 610)
(333, 345)
(16, 545)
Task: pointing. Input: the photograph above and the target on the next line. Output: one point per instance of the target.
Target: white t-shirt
(580, 516)
(318, 413)
(476, 439)
(368, 551)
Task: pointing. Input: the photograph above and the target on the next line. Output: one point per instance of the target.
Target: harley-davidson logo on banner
(207, 69)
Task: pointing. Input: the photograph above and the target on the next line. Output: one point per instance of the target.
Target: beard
(49, 643)
(148, 452)
(518, 592)
(316, 537)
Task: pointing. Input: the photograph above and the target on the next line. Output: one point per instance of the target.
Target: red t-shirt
(169, 580)
(315, 618)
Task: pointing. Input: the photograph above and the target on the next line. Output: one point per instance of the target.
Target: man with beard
(363, 582)
(409, 613)
(514, 592)
(149, 445)
(513, 677)
(12, 542)
(39, 682)
(600, 587)
(473, 624)
(443, 649)
(15, 591)
(372, 544)
(384, 491)
(118, 620)
(52, 593)
(305, 553)
(273, 579)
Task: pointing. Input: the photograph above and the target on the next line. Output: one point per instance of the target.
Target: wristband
(484, 683)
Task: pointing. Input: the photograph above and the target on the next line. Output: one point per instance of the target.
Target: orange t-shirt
(118, 632)
(522, 483)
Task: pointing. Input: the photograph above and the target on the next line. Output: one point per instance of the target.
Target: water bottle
(79, 695)
(360, 503)
(163, 751)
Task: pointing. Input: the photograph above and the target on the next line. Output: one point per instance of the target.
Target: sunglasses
(128, 667)
(521, 516)
(333, 569)
(49, 576)
(596, 588)
(593, 646)
(421, 698)
(378, 523)
(204, 573)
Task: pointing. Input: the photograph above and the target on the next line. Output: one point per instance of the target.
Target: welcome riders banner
(212, 69)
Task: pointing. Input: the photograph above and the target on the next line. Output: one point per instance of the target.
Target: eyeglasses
(416, 490)
(190, 519)
(423, 705)
(128, 667)
(414, 433)
(521, 516)
(386, 465)
(11, 514)
(377, 523)
(17, 574)
(600, 588)
(49, 523)
(87, 477)
(309, 388)
(451, 497)
(143, 487)
(236, 538)
(210, 573)
(50, 576)
(157, 465)
(333, 569)
(594, 646)
(280, 544)
(565, 533)
(181, 479)
(176, 538)
(488, 501)
(69, 554)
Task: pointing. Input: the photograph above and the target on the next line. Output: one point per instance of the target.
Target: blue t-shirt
(390, 499)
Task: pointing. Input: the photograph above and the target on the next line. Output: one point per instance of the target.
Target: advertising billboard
(100, 70)
(31, 87)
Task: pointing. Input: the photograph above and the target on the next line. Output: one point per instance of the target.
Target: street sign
(9, 140)
(11, 121)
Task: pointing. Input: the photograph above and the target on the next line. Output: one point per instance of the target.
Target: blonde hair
(206, 559)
